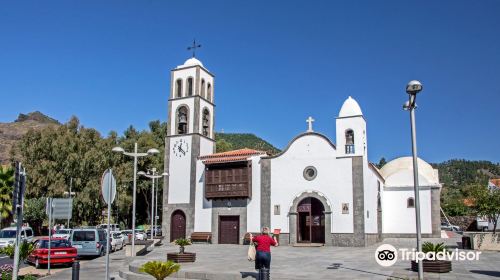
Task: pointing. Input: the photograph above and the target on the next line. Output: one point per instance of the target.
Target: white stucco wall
(397, 218)
(180, 173)
(203, 207)
(253, 207)
(334, 180)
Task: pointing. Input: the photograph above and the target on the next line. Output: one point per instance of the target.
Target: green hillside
(234, 141)
(459, 177)
(458, 173)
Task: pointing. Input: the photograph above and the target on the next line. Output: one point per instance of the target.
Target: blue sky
(276, 63)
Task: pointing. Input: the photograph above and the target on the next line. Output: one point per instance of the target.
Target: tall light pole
(135, 155)
(413, 88)
(152, 176)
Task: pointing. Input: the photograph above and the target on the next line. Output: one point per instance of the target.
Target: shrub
(182, 242)
(160, 270)
(431, 247)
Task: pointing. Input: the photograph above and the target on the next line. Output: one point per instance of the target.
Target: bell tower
(190, 134)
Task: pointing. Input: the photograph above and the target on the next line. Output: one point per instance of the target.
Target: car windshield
(84, 236)
(63, 231)
(7, 234)
(117, 235)
(53, 244)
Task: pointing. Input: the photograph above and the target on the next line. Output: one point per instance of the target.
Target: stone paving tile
(229, 261)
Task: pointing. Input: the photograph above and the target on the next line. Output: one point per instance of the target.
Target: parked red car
(61, 252)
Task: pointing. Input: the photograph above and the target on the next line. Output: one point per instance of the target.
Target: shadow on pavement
(254, 275)
(339, 265)
(487, 272)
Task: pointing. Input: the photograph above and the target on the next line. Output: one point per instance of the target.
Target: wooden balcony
(228, 181)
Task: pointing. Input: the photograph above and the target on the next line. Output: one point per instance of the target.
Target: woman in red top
(263, 254)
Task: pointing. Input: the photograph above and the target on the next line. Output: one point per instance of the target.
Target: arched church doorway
(177, 225)
(311, 221)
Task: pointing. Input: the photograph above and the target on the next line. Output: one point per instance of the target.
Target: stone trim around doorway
(237, 207)
(292, 215)
(167, 213)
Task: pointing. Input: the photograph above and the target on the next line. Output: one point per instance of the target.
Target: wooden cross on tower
(194, 47)
(310, 121)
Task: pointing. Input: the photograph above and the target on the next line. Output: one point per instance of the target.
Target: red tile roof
(469, 202)
(231, 156)
(495, 182)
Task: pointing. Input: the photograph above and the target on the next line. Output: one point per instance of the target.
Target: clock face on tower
(180, 148)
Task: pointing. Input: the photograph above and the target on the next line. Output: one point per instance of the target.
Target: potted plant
(182, 243)
(433, 265)
(160, 270)
(182, 256)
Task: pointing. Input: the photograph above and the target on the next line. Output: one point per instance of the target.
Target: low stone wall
(484, 240)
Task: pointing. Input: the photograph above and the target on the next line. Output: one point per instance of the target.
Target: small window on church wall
(190, 86)
(206, 122)
(203, 88)
(349, 141)
(410, 203)
(182, 120)
(178, 88)
(209, 92)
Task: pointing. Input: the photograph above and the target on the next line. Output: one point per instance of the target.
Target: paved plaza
(229, 262)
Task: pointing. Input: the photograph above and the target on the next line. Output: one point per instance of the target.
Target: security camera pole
(412, 89)
(135, 155)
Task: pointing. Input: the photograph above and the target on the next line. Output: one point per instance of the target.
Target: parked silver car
(89, 242)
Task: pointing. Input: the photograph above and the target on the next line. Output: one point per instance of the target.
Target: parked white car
(482, 223)
(117, 241)
(8, 235)
(63, 233)
(140, 235)
(449, 227)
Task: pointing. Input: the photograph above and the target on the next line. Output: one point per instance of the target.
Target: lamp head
(118, 150)
(413, 87)
(153, 151)
(164, 174)
(142, 173)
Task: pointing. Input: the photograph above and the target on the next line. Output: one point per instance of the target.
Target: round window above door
(310, 173)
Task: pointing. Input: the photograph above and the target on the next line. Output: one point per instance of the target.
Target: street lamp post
(70, 194)
(413, 88)
(135, 155)
(152, 176)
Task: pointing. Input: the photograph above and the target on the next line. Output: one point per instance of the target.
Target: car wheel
(37, 263)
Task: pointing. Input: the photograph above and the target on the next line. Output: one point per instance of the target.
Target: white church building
(315, 191)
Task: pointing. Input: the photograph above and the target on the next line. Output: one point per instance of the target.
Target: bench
(201, 237)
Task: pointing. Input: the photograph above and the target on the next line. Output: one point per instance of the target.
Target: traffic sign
(108, 187)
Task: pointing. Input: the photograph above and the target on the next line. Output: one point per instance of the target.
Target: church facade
(314, 191)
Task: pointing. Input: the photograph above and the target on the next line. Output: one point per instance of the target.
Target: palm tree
(6, 185)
